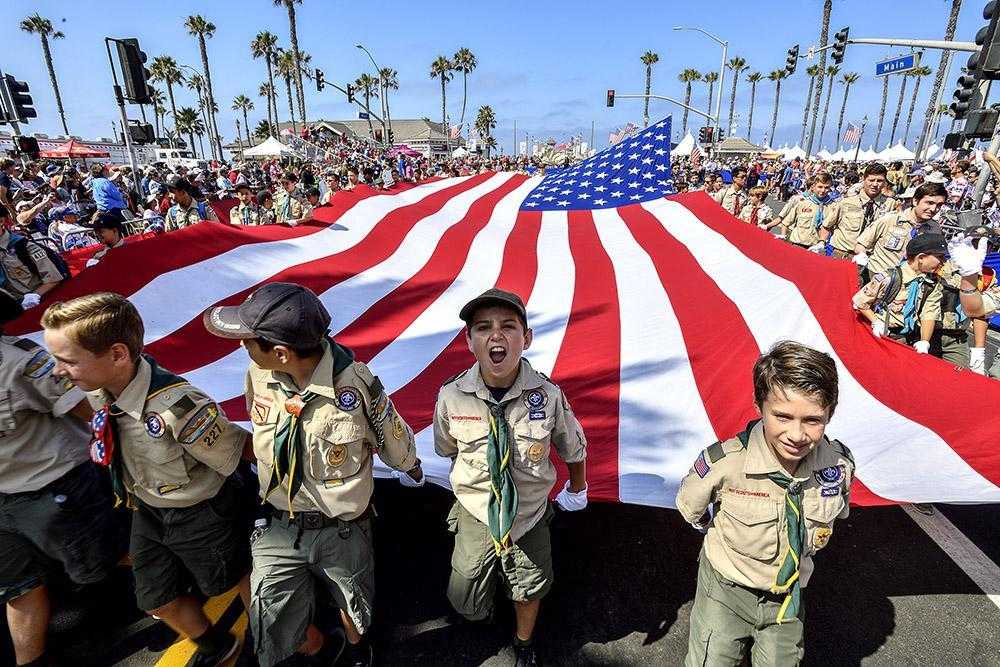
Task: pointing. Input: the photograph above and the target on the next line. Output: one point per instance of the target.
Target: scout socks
(214, 640)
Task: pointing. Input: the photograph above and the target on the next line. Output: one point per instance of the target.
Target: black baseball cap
(927, 244)
(177, 182)
(494, 297)
(281, 313)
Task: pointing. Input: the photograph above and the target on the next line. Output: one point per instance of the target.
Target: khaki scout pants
(953, 347)
(727, 617)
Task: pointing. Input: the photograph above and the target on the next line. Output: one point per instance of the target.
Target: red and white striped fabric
(649, 316)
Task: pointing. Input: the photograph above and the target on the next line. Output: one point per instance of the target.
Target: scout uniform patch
(397, 427)
(261, 409)
(336, 456)
(39, 365)
(198, 425)
(154, 425)
(830, 478)
(348, 398)
(822, 537)
(535, 399)
(535, 452)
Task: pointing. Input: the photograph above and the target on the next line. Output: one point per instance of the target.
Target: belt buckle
(312, 521)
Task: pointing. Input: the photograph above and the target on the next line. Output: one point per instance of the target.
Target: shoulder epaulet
(715, 452)
(843, 450)
(160, 379)
(454, 377)
(26, 344)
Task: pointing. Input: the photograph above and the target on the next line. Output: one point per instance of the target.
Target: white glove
(571, 502)
(762, 225)
(408, 481)
(922, 346)
(860, 259)
(291, 223)
(817, 247)
(878, 328)
(967, 256)
(30, 300)
(977, 360)
(92, 262)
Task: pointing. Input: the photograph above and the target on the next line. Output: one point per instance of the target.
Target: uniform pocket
(471, 435)
(164, 468)
(750, 528)
(894, 243)
(820, 515)
(532, 444)
(338, 451)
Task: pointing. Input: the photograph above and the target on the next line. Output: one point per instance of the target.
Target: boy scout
(803, 216)
(170, 451)
(734, 196)
(497, 422)
(186, 210)
(857, 213)
(979, 294)
(905, 301)
(247, 212)
(53, 509)
(318, 417)
(27, 271)
(886, 239)
(767, 500)
(289, 207)
(111, 233)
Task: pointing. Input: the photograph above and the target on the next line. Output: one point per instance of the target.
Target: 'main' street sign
(898, 65)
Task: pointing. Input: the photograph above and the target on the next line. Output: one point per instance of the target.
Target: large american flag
(648, 312)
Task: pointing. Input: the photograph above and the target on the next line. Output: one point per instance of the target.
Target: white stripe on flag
(662, 422)
(551, 299)
(879, 438)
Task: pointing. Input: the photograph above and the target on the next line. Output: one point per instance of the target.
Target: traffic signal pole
(11, 116)
(121, 110)
(708, 116)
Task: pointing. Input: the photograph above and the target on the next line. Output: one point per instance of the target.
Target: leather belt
(318, 520)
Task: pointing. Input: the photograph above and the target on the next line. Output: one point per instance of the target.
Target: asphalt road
(883, 594)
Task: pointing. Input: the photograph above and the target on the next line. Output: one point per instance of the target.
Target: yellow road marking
(180, 652)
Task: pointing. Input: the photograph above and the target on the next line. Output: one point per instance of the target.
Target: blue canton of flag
(631, 172)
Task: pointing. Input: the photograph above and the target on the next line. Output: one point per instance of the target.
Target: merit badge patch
(397, 428)
(536, 414)
(535, 399)
(535, 452)
(336, 456)
(261, 409)
(382, 408)
(831, 491)
(199, 424)
(348, 398)
(39, 365)
(822, 537)
(701, 465)
(154, 425)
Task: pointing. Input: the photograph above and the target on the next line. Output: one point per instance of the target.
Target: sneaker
(526, 656)
(202, 659)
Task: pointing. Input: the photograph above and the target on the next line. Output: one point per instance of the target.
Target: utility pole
(120, 99)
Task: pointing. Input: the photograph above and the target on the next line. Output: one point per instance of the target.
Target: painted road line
(225, 610)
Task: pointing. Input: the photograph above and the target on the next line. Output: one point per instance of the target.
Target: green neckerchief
(287, 447)
(502, 506)
(787, 580)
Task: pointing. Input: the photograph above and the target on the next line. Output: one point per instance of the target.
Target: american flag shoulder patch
(701, 465)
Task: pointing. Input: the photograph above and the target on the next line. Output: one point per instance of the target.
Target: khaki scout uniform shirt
(747, 540)
(100, 254)
(764, 213)
(288, 206)
(252, 214)
(886, 241)
(847, 224)
(875, 289)
(39, 443)
(176, 444)
(179, 217)
(539, 418)
(732, 199)
(19, 278)
(338, 439)
(799, 218)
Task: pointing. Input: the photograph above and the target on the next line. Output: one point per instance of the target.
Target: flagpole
(861, 134)
(513, 149)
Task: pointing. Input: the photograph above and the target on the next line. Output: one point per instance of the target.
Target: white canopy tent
(460, 152)
(868, 154)
(824, 154)
(270, 147)
(896, 152)
(685, 146)
(794, 152)
(932, 152)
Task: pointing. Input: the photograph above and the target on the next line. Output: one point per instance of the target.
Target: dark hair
(791, 365)
(4, 213)
(302, 352)
(738, 171)
(263, 196)
(312, 192)
(289, 176)
(851, 177)
(929, 190)
(491, 304)
(876, 169)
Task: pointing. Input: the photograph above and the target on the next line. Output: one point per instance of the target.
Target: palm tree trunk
(55, 83)
(213, 128)
(156, 120)
(824, 35)
(246, 125)
(843, 108)
(711, 91)
(881, 113)
(687, 103)
(732, 102)
(272, 98)
(291, 107)
(774, 115)
(465, 76)
(949, 34)
(294, 38)
(173, 107)
(645, 100)
(194, 150)
(899, 109)
(805, 111)
(201, 142)
(444, 117)
(909, 116)
(388, 120)
(753, 100)
(270, 120)
(826, 111)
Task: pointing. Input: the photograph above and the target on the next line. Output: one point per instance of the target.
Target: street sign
(362, 115)
(898, 65)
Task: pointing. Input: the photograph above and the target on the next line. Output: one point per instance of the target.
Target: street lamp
(382, 89)
(206, 109)
(722, 71)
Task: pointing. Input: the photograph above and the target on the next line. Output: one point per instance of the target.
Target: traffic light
(985, 63)
(967, 90)
(792, 60)
(611, 97)
(28, 146)
(319, 79)
(839, 45)
(22, 106)
(350, 94)
(954, 141)
(980, 123)
(706, 134)
(134, 71)
(142, 134)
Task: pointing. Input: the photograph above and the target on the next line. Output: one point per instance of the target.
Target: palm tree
(164, 68)
(244, 104)
(824, 35)
(286, 69)
(389, 79)
(264, 46)
(367, 85)
(737, 64)
(949, 34)
(848, 80)
(710, 79)
(186, 120)
(196, 82)
(463, 61)
(812, 72)
(486, 121)
(441, 68)
(918, 74)
(753, 79)
(266, 90)
(831, 72)
(263, 130)
(293, 37)
(201, 28)
(881, 113)
(38, 25)
(687, 77)
(649, 58)
(776, 76)
(156, 95)
(905, 77)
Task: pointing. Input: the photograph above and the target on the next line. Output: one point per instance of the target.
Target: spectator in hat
(106, 194)
(65, 230)
(111, 233)
(186, 210)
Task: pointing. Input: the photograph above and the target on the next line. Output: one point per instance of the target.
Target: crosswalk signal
(985, 63)
(350, 94)
(319, 79)
(840, 45)
(792, 60)
(134, 71)
(22, 106)
(963, 98)
(611, 97)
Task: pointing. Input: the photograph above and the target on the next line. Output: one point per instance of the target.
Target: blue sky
(544, 65)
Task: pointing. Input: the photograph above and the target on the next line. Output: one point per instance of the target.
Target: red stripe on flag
(892, 373)
(588, 367)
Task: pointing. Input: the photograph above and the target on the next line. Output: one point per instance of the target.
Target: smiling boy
(497, 422)
(767, 500)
